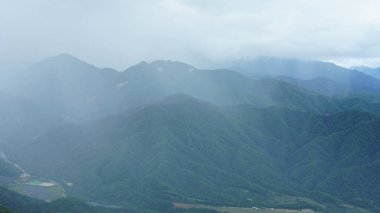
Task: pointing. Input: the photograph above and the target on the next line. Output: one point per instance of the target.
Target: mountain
(322, 86)
(76, 91)
(352, 80)
(8, 170)
(67, 86)
(221, 87)
(21, 120)
(374, 72)
(165, 131)
(181, 149)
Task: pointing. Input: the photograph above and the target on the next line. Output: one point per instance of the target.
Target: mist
(119, 34)
(173, 106)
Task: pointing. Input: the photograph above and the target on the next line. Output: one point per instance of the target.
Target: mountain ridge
(154, 141)
(165, 131)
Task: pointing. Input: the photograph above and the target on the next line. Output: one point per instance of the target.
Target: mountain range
(374, 72)
(275, 133)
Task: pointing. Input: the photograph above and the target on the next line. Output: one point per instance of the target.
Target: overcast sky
(119, 33)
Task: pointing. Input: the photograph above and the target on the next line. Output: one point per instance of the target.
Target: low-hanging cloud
(119, 33)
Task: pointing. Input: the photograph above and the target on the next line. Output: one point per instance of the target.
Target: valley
(32, 186)
(36, 188)
(239, 209)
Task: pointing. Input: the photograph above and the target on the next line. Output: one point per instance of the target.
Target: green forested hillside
(165, 132)
(182, 149)
(22, 119)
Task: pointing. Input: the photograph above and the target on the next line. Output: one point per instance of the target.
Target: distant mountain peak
(169, 62)
(162, 66)
(63, 57)
(62, 61)
(360, 68)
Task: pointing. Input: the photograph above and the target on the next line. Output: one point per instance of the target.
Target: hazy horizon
(119, 33)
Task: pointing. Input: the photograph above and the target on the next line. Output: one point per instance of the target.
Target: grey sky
(119, 33)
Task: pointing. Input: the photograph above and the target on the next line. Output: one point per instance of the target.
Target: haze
(120, 33)
(189, 106)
